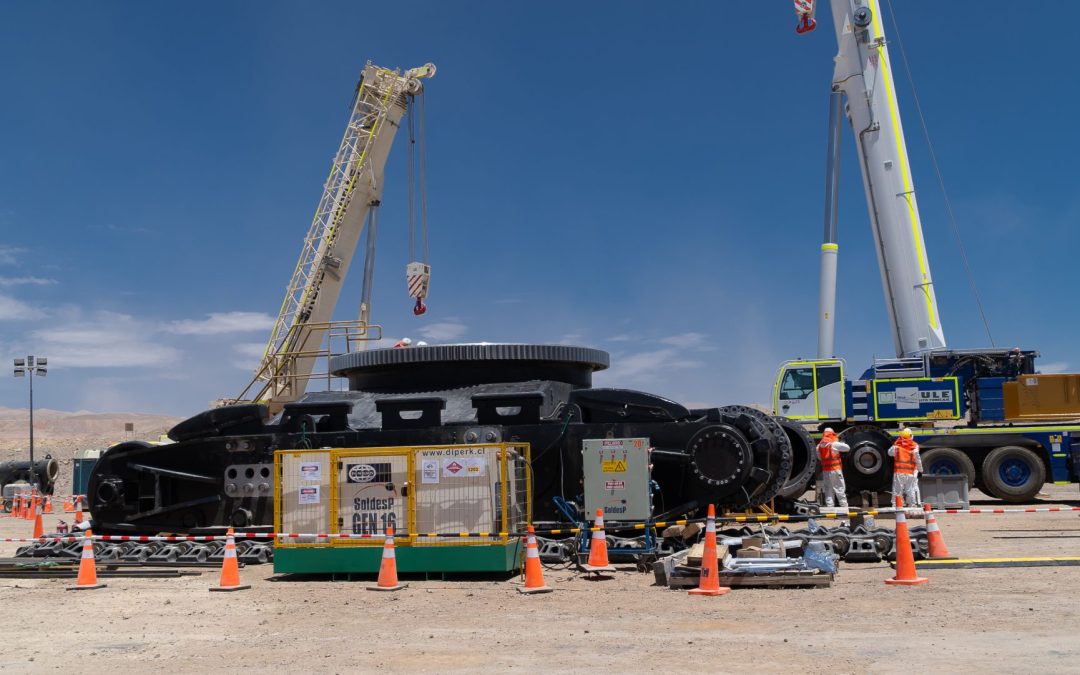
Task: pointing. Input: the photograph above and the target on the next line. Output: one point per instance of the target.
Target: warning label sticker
(465, 466)
(311, 471)
(309, 494)
(615, 485)
(612, 444)
(429, 471)
(613, 466)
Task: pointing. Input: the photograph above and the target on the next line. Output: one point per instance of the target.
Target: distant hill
(60, 433)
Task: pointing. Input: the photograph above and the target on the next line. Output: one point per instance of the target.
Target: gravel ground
(1018, 620)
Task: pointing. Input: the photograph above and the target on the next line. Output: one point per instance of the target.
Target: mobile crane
(1016, 434)
(348, 207)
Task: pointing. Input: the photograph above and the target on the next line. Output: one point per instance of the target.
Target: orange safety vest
(904, 456)
(830, 459)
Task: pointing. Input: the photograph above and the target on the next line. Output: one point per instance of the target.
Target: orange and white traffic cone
(48, 504)
(39, 531)
(598, 558)
(534, 573)
(78, 509)
(69, 505)
(937, 548)
(35, 500)
(230, 567)
(87, 567)
(388, 580)
(905, 559)
(709, 583)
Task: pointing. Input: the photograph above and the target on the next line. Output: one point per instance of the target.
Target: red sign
(615, 485)
(453, 467)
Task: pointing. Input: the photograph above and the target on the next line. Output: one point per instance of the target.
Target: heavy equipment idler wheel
(868, 465)
(772, 457)
(804, 458)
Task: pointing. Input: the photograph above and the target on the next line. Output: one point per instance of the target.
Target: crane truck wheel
(867, 466)
(1013, 474)
(948, 461)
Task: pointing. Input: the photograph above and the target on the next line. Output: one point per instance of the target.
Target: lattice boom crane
(349, 203)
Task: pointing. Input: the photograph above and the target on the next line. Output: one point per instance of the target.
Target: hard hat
(905, 433)
(829, 430)
(421, 344)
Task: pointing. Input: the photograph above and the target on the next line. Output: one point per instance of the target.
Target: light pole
(29, 367)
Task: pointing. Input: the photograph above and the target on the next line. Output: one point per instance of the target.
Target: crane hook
(804, 9)
(419, 308)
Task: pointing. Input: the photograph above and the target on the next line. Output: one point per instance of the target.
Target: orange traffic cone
(598, 560)
(69, 505)
(230, 568)
(709, 583)
(938, 549)
(48, 504)
(388, 580)
(78, 509)
(16, 506)
(87, 567)
(39, 531)
(905, 559)
(534, 573)
(34, 501)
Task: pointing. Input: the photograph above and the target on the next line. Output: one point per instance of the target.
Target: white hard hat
(421, 344)
(406, 341)
(829, 430)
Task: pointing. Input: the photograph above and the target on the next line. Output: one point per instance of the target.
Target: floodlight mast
(28, 368)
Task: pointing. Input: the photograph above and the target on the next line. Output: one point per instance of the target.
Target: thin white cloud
(619, 338)
(221, 323)
(7, 282)
(1054, 367)
(691, 340)
(248, 355)
(451, 329)
(9, 255)
(14, 310)
(105, 340)
(648, 366)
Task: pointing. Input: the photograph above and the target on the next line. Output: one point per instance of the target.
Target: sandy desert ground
(1002, 620)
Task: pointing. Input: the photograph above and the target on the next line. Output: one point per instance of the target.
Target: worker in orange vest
(907, 465)
(832, 474)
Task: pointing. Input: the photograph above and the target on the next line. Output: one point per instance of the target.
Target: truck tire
(1013, 474)
(937, 461)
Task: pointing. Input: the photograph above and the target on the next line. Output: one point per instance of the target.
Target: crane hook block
(418, 275)
(805, 9)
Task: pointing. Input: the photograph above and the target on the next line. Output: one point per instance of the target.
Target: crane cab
(811, 390)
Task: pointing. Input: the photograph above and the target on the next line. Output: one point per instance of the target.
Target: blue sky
(640, 179)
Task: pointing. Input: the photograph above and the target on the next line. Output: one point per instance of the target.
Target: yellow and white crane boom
(349, 203)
